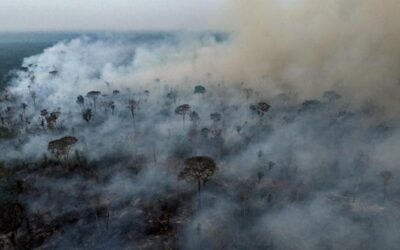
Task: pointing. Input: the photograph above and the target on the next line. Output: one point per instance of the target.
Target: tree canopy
(199, 167)
(199, 89)
(61, 147)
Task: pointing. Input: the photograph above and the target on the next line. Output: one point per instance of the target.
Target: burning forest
(209, 140)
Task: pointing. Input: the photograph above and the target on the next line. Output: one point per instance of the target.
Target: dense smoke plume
(308, 46)
(291, 105)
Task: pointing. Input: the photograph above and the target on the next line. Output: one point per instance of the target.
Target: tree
(6, 133)
(51, 118)
(386, 176)
(146, 95)
(205, 132)
(215, 117)
(87, 115)
(133, 105)
(194, 117)
(43, 114)
(239, 128)
(261, 108)
(53, 72)
(183, 110)
(80, 100)
(200, 168)
(172, 95)
(310, 106)
(199, 90)
(94, 95)
(111, 105)
(33, 96)
(330, 96)
(61, 147)
(361, 164)
(249, 93)
(24, 106)
(12, 216)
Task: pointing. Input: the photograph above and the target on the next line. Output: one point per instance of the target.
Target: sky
(49, 15)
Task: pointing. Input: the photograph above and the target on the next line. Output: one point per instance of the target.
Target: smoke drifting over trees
(308, 46)
(291, 124)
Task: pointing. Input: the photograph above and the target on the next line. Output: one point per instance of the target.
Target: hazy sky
(109, 14)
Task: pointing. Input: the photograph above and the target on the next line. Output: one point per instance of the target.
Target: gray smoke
(307, 174)
(308, 46)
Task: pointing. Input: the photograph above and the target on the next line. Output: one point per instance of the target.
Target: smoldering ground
(318, 169)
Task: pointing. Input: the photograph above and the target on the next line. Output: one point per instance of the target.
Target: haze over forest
(199, 124)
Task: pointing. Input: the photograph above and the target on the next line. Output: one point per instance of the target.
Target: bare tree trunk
(108, 218)
(384, 194)
(357, 187)
(29, 228)
(95, 107)
(133, 114)
(12, 237)
(154, 153)
(199, 190)
(97, 219)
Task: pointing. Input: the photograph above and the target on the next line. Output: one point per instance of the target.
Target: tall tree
(386, 176)
(61, 147)
(199, 89)
(132, 106)
(260, 109)
(200, 168)
(87, 115)
(80, 100)
(94, 95)
(183, 110)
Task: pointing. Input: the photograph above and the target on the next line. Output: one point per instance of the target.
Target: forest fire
(281, 134)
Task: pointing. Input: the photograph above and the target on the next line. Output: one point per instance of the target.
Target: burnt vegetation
(99, 185)
(195, 170)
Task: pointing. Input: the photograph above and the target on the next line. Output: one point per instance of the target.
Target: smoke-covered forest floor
(95, 157)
